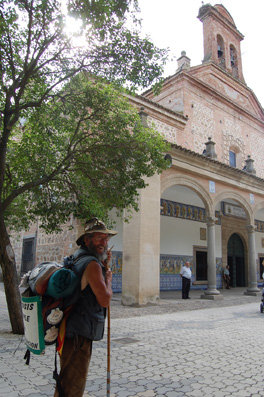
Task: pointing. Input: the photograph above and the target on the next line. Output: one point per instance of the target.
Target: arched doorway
(236, 261)
(182, 236)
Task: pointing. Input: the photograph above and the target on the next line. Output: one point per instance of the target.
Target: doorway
(261, 266)
(201, 266)
(236, 261)
(28, 255)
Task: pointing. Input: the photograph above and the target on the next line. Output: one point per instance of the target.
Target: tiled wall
(116, 268)
(170, 267)
(173, 282)
(185, 211)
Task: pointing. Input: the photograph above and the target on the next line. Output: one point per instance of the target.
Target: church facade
(208, 206)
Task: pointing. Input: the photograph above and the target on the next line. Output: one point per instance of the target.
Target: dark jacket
(87, 318)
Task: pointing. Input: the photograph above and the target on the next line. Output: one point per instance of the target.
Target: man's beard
(101, 257)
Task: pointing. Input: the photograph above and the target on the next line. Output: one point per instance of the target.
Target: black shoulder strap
(27, 357)
(56, 376)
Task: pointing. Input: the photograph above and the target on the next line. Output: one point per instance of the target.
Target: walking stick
(108, 346)
(108, 353)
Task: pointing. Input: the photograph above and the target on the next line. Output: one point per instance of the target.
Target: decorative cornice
(224, 98)
(217, 94)
(141, 100)
(189, 74)
(234, 172)
(230, 77)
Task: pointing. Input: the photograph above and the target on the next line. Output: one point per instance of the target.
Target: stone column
(211, 292)
(141, 249)
(252, 279)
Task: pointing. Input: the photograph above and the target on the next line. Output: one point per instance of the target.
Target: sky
(174, 24)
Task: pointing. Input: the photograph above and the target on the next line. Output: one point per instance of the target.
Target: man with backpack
(85, 322)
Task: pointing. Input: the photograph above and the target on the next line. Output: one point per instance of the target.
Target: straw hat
(95, 226)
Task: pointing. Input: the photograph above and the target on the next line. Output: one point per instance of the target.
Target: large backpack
(52, 289)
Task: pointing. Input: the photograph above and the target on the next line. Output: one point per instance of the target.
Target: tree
(70, 142)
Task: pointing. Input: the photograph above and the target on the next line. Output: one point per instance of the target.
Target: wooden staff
(108, 345)
(108, 353)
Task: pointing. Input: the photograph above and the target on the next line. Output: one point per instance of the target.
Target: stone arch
(240, 199)
(233, 60)
(172, 180)
(234, 147)
(239, 227)
(233, 55)
(220, 50)
(242, 235)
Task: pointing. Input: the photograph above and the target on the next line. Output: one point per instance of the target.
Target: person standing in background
(227, 277)
(186, 275)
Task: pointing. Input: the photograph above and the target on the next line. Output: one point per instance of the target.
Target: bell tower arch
(221, 39)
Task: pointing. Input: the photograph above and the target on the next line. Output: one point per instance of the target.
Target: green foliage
(69, 141)
(101, 14)
(83, 154)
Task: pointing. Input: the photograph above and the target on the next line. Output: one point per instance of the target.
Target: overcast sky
(174, 24)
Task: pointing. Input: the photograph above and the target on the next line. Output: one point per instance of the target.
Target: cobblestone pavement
(178, 348)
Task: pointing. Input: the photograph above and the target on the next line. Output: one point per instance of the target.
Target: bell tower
(221, 39)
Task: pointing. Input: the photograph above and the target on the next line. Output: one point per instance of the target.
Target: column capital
(251, 228)
(211, 220)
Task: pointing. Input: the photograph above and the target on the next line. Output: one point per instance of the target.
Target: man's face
(97, 243)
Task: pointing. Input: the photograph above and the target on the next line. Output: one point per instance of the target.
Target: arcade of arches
(203, 217)
(198, 210)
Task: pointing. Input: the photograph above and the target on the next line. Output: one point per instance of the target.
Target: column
(211, 292)
(252, 269)
(141, 249)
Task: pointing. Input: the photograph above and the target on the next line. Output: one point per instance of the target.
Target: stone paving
(195, 348)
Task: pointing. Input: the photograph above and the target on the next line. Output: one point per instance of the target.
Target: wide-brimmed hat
(94, 225)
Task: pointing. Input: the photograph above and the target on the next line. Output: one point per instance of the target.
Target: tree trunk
(10, 278)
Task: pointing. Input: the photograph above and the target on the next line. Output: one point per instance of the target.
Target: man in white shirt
(186, 275)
